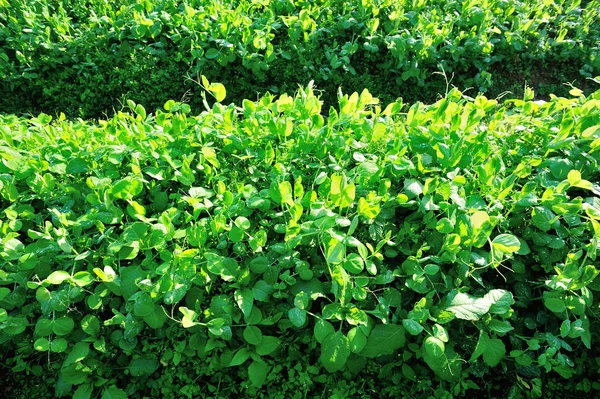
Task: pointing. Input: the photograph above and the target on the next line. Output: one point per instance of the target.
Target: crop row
(64, 56)
(452, 241)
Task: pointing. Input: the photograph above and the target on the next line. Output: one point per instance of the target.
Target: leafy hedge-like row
(82, 58)
(264, 250)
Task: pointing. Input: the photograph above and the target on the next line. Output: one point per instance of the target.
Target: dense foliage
(81, 58)
(262, 250)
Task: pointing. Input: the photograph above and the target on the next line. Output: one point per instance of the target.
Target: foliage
(64, 56)
(265, 249)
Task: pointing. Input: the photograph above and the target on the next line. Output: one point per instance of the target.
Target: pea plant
(455, 241)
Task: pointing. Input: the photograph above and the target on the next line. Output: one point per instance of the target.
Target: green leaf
(253, 335)
(354, 264)
(440, 333)
(542, 218)
(127, 188)
(41, 344)
(335, 350)
(113, 393)
(384, 339)
(257, 372)
(267, 345)
(412, 326)
(357, 340)
(57, 277)
(260, 264)
(434, 347)
(90, 324)
(83, 391)
(322, 330)
(431, 269)
(58, 345)
(501, 301)
(242, 222)
(218, 91)
(77, 166)
(493, 350)
(143, 366)
(556, 305)
(444, 226)
(297, 316)
(63, 326)
(143, 306)
(500, 326)
(574, 177)
(78, 353)
(478, 219)
(211, 53)
(245, 300)
(157, 318)
(135, 232)
(565, 328)
(240, 357)
(262, 290)
(83, 278)
(413, 188)
(465, 306)
(335, 251)
(506, 243)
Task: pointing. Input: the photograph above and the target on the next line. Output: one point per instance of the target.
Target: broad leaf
(113, 393)
(335, 350)
(257, 372)
(506, 243)
(467, 307)
(384, 339)
(143, 366)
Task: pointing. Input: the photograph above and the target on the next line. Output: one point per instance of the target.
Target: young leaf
(506, 243)
(57, 277)
(574, 177)
(479, 218)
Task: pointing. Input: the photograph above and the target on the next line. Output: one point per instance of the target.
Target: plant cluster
(81, 58)
(152, 255)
